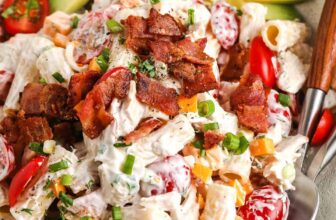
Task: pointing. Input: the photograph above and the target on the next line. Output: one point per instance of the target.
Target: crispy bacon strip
(154, 94)
(92, 111)
(204, 81)
(250, 103)
(163, 24)
(183, 70)
(136, 27)
(193, 52)
(166, 51)
(80, 85)
(211, 138)
(144, 128)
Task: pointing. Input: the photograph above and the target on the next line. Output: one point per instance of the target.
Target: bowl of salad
(153, 109)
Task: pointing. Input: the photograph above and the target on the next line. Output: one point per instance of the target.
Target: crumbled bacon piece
(202, 42)
(183, 70)
(144, 128)
(166, 51)
(211, 138)
(250, 103)
(80, 84)
(49, 100)
(6, 79)
(239, 57)
(193, 52)
(163, 24)
(136, 27)
(204, 81)
(92, 111)
(9, 128)
(156, 95)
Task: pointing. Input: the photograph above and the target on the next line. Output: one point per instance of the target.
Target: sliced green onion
(103, 64)
(128, 165)
(202, 153)
(198, 144)
(58, 77)
(47, 185)
(114, 26)
(191, 16)
(29, 211)
(9, 11)
(231, 142)
(36, 147)
(66, 200)
(154, 2)
(116, 213)
(66, 180)
(206, 108)
(74, 22)
(86, 218)
(106, 54)
(63, 164)
(43, 81)
(284, 99)
(121, 144)
(211, 126)
(243, 145)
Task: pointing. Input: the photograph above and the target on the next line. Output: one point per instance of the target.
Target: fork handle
(324, 55)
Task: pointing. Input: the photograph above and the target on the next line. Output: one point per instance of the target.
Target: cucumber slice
(282, 12)
(68, 6)
(277, 1)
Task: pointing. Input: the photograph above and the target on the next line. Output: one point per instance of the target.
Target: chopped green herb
(74, 22)
(66, 180)
(114, 26)
(211, 126)
(128, 165)
(121, 40)
(106, 54)
(9, 11)
(284, 99)
(32, 4)
(121, 144)
(58, 77)
(191, 16)
(148, 67)
(43, 81)
(243, 145)
(231, 142)
(63, 164)
(47, 185)
(206, 108)
(198, 144)
(86, 218)
(36, 147)
(66, 200)
(89, 184)
(133, 68)
(29, 211)
(116, 213)
(202, 153)
(154, 2)
(103, 64)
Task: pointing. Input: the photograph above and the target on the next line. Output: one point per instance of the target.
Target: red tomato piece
(24, 177)
(266, 203)
(261, 62)
(25, 16)
(323, 128)
(175, 175)
(7, 159)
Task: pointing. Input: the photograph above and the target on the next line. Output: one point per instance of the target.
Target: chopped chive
(154, 2)
(121, 144)
(106, 54)
(284, 99)
(43, 81)
(202, 153)
(36, 147)
(103, 64)
(231, 142)
(206, 108)
(116, 213)
(58, 77)
(66, 200)
(211, 126)
(148, 67)
(114, 26)
(66, 180)
(86, 218)
(243, 145)
(9, 11)
(198, 144)
(74, 22)
(63, 164)
(29, 211)
(128, 165)
(191, 16)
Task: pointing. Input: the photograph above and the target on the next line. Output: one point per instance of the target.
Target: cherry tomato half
(261, 62)
(25, 176)
(24, 16)
(323, 128)
(266, 203)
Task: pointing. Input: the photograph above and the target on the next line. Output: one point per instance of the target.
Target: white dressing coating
(293, 72)
(252, 21)
(120, 55)
(69, 55)
(287, 151)
(140, 213)
(52, 61)
(26, 71)
(39, 199)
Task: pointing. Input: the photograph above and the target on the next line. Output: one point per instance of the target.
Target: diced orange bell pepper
(262, 147)
(187, 104)
(57, 187)
(202, 172)
(60, 40)
(94, 65)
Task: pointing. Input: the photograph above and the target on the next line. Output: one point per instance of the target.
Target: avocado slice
(67, 5)
(274, 11)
